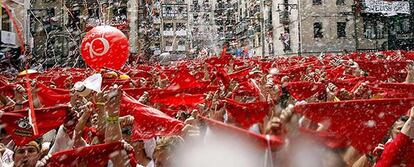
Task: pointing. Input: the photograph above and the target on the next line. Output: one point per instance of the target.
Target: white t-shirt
(6, 158)
(62, 141)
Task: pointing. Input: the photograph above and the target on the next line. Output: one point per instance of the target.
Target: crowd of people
(327, 110)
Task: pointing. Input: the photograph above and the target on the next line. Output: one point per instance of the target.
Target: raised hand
(113, 99)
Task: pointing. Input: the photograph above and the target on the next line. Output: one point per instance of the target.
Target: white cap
(92, 83)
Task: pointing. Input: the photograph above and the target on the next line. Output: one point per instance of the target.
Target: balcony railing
(157, 51)
(181, 33)
(284, 17)
(181, 48)
(168, 48)
(168, 33)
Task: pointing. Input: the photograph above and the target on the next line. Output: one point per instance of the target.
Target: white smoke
(219, 150)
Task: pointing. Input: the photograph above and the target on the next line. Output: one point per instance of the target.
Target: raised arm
(113, 131)
(398, 145)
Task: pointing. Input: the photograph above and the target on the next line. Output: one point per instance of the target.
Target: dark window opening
(317, 30)
(341, 29)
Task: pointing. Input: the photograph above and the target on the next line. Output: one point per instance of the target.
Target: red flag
(17, 123)
(149, 122)
(247, 114)
(363, 122)
(93, 156)
(261, 140)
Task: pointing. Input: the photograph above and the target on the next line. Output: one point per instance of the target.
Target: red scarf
(179, 100)
(94, 156)
(363, 122)
(51, 97)
(304, 90)
(247, 114)
(260, 140)
(17, 123)
(149, 122)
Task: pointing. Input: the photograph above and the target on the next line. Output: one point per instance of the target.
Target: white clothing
(7, 158)
(149, 146)
(62, 141)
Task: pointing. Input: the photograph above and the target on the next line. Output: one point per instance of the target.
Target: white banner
(8, 37)
(387, 7)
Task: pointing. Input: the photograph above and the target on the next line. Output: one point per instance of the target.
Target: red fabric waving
(304, 90)
(17, 123)
(382, 70)
(51, 97)
(247, 114)
(261, 140)
(8, 90)
(149, 122)
(180, 100)
(329, 139)
(363, 122)
(248, 88)
(93, 156)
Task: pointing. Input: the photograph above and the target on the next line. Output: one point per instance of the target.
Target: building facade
(202, 26)
(56, 28)
(9, 40)
(174, 28)
(293, 27)
(225, 19)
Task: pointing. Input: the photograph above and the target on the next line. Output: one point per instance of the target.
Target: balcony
(181, 32)
(157, 51)
(157, 20)
(284, 17)
(195, 8)
(169, 48)
(168, 33)
(181, 48)
(241, 28)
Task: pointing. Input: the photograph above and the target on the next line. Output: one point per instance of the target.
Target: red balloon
(105, 46)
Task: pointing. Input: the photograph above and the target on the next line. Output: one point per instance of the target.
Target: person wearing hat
(92, 83)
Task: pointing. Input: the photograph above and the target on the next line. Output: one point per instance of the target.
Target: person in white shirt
(6, 156)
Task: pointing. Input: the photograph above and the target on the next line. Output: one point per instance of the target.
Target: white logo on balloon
(92, 51)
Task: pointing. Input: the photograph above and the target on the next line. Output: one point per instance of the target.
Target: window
(340, 2)
(403, 26)
(5, 21)
(374, 29)
(316, 2)
(341, 29)
(317, 30)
